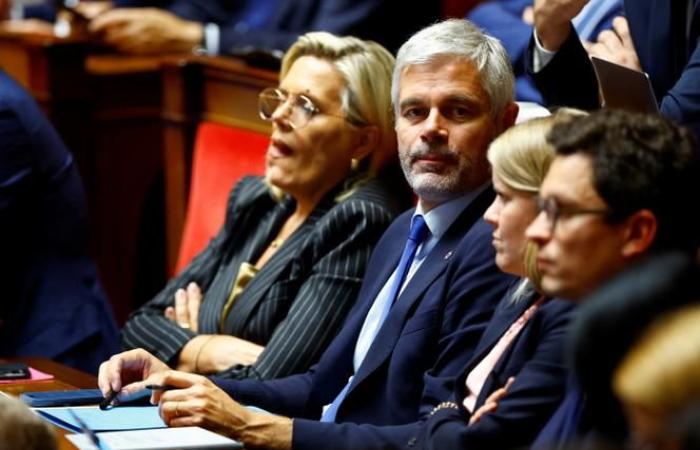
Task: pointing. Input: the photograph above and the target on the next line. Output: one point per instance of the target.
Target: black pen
(107, 402)
(160, 387)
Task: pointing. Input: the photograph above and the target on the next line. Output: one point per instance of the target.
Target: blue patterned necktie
(417, 234)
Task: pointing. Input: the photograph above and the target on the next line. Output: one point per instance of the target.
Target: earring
(354, 164)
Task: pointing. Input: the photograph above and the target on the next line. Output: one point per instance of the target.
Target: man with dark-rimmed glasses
(615, 193)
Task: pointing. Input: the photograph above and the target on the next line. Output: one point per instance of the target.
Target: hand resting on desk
(125, 369)
(194, 401)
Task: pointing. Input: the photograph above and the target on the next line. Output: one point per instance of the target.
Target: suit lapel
(434, 264)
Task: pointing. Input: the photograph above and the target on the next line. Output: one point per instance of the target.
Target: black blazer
(298, 301)
(535, 358)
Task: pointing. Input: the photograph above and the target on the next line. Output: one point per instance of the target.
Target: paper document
(113, 419)
(164, 438)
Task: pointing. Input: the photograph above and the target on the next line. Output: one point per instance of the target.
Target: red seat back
(222, 155)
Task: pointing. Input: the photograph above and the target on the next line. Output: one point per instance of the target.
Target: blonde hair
(662, 370)
(366, 68)
(21, 428)
(521, 157)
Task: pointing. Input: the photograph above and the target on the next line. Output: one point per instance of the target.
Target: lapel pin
(448, 255)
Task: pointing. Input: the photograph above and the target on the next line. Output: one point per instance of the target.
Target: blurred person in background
(224, 26)
(53, 304)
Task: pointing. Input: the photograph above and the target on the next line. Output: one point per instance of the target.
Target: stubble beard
(461, 175)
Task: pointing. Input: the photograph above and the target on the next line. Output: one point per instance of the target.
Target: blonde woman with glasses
(273, 287)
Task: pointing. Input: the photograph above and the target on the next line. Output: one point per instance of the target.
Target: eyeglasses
(299, 108)
(553, 211)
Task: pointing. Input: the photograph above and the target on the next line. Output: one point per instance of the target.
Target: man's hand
(186, 310)
(616, 45)
(123, 370)
(199, 402)
(491, 403)
(553, 20)
(147, 30)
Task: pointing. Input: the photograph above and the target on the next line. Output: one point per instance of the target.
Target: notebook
(624, 88)
(113, 419)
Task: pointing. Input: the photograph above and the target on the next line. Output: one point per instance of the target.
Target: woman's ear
(368, 141)
(640, 233)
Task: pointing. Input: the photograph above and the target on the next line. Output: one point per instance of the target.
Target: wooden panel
(198, 89)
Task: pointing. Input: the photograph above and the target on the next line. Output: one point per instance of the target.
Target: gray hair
(462, 39)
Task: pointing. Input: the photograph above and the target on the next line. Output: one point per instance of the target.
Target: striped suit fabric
(298, 300)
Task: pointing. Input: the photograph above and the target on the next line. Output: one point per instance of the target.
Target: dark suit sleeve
(471, 289)
(532, 398)
(344, 241)
(340, 17)
(682, 102)
(503, 20)
(147, 327)
(568, 79)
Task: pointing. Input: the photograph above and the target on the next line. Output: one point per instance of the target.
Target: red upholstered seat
(222, 155)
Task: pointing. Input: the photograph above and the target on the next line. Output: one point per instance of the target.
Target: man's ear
(368, 141)
(507, 117)
(639, 234)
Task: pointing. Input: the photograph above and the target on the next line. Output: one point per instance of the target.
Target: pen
(160, 387)
(107, 401)
(87, 430)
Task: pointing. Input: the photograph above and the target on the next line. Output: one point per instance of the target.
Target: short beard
(465, 173)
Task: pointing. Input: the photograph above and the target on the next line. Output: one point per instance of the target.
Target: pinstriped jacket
(298, 301)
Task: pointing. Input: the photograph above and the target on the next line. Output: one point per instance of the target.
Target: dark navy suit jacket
(52, 303)
(666, 52)
(367, 19)
(402, 375)
(503, 19)
(535, 358)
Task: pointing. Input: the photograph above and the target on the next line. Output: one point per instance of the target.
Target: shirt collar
(441, 217)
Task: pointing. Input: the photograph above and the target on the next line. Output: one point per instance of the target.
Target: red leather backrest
(222, 155)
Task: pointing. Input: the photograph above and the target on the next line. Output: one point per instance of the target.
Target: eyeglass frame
(284, 97)
(553, 215)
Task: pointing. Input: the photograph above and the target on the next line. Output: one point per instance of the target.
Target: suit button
(412, 442)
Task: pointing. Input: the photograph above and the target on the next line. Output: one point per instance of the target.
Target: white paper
(164, 438)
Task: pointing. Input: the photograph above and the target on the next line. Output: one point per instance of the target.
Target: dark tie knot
(419, 229)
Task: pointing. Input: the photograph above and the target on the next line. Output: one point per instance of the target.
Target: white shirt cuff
(212, 40)
(541, 56)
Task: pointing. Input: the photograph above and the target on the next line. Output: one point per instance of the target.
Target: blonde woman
(272, 289)
(516, 376)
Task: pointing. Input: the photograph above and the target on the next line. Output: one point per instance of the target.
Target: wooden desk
(65, 378)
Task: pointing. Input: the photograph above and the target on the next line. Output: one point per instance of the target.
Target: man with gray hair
(430, 286)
